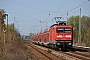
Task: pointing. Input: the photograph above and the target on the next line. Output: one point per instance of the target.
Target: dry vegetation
(17, 51)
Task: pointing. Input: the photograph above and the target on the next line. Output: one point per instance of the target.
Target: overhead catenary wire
(26, 6)
(26, 16)
(29, 7)
(45, 10)
(78, 6)
(54, 12)
(74, 10)
(60, 7)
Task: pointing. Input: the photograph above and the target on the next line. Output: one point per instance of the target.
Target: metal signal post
(79, 35)
(7, 26)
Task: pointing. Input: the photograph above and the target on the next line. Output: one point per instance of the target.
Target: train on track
(58, 35)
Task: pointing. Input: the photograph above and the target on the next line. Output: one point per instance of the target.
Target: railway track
(34, 57)
(70, 54)
(78, 55)
(44, 55)
(83, 54)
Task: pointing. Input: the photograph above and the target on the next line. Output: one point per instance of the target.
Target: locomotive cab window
(63, 30)
(59, 30)
(67, 30)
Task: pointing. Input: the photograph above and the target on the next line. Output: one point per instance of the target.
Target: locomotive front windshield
(63, 30)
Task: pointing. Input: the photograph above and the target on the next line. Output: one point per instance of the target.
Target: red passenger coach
(34, 39)
(39, 38)
(46, 37)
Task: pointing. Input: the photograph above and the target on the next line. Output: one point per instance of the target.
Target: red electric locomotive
(61, 36)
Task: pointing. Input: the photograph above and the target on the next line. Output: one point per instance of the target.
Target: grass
(49, 51)
(1, 58)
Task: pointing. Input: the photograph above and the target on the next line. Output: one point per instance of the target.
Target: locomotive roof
(56, 25)
(59, 23)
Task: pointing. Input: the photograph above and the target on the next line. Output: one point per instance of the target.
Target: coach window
(44, 40)
(40, 40)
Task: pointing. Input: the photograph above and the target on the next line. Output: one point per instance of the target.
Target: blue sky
(28, 13)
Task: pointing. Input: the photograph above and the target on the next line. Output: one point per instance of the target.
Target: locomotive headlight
(60, 36)
(58, 43)
(69, 43)
(68, 36)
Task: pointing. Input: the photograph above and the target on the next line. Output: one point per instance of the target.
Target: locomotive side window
(45, 40)
(59, 30)
(67, 30)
